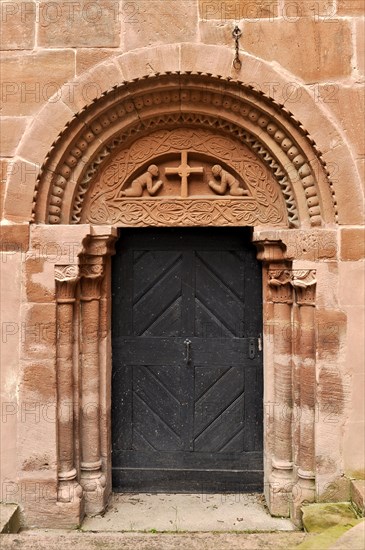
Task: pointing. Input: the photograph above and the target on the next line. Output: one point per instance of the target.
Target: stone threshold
(163, 512)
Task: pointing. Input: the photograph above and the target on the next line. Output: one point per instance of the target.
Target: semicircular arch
(191, 98)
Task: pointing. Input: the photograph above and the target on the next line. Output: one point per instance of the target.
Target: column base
(94, 491)
(304, 492)
(42, 508)
(280, 492)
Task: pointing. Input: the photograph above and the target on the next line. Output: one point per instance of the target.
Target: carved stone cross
(184, 171)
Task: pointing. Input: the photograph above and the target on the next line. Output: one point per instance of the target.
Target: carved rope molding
(233, 99)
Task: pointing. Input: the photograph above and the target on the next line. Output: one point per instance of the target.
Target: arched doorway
(98, 178)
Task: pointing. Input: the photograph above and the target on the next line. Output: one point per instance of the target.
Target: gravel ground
(60, 540)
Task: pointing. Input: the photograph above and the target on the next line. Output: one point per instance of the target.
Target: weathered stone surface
(14, 238)
(319, 517)
(158, 22)
(292, 11)
(331, 330)
(45, 128)
(224, 10)
(155, 60)
(208, 60)
(340, 166)
(79, 24)
(19, 196)
(29, 80)
(348, 104)
(39, 283)
(360, 45)
(92, 85)
(11, 132)
(351, 277)
(313, 46)
(17, 25)
(38, 336)
(3, 177)
(216, 32)
(10, 299)
(86, 58)
(353, 244)
(350, 7)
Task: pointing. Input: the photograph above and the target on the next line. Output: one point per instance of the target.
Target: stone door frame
(83, 372)
(78, 283)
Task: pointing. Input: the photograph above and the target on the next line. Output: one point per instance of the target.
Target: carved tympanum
(145, 181)
(226, 180)
(190, 181)
(184, 100)
(184, 171)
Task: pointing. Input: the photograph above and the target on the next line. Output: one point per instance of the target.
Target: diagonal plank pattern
(183, 418)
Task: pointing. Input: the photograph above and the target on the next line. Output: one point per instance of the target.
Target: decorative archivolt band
(136, 107)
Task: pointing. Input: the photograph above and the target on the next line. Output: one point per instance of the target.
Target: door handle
(187, 343)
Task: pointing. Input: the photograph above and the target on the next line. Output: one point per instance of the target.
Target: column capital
(270, 251)
(101, 241)
(279, 282)
(304, 281)
(66, 273)
(66, 277)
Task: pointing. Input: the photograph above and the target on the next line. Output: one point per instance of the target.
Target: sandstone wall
(318, 45)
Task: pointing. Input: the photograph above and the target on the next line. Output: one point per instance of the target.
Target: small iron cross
(184, 171)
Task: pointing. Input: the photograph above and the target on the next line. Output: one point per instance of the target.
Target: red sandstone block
(228, 10)
(86, 58)
(344, 102)
(308, 48)
(292, 10)
(17, 24)
(148, 22)
(11, 132)
(353, 244)
(79, 24)
(350, 7)
(29, 80)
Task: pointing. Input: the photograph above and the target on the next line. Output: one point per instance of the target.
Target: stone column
(68, 488)
(278, 375)
(281, 478)
(93, 479)
(304, 282)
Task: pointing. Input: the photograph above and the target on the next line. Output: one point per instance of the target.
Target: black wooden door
(187, 362)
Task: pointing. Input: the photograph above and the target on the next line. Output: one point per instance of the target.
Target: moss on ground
(321, 516)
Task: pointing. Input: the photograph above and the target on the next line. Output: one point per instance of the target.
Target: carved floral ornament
(282, 281)
(202, 103)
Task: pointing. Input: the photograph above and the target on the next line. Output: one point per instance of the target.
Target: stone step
(329, 522)
(357, 491)
(324, 515)
(9, 518)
